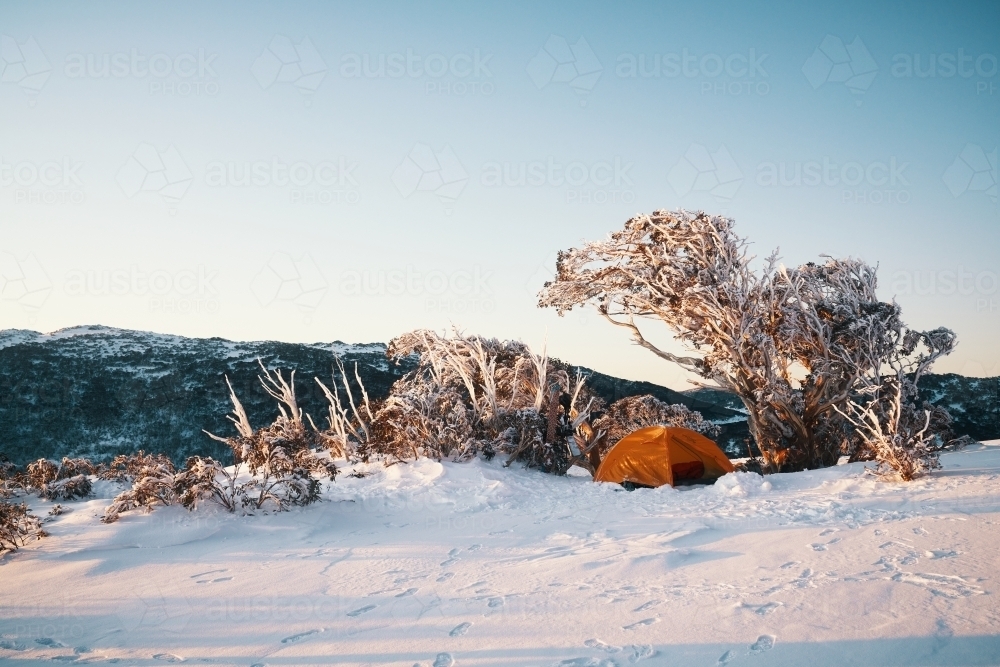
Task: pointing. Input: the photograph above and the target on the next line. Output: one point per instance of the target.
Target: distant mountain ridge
(98, 391)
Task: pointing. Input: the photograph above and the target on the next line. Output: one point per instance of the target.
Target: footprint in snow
(361, 610)
(763, 643)
(637, 653)
(495, 602)
(445, 577)
(13, 646)
(648, 605)
(452, 557)
(602, 646)
(168, 657)
(725, 657)
(942, 553)
(475, 547)
(764, 609)
(299, 637)
(943, 585)
(460, 629)
(818, 547)
(444, 660)
(790, 564)
(639, 624)
(407, 593)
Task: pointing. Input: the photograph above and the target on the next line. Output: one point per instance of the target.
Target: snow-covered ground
(476, 564)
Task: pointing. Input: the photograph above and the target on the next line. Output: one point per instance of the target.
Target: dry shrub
(283, 460)
(66, 480)
(17, 526)
(420, 419)
(349, 425)
(283, 464)
(205, 479)
(904, 437)
(40, 473)
(129, 467)
(471, 395)
(277, 465)
(151, 478)
(69, 488)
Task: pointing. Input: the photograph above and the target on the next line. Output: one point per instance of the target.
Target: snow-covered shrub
(17, 526)
(205, 479)
(151, 478)
(791, 343)
(40, 472)
(64, 481)
(472, 395)
(634, 412)
(421, 418)
(78, 486)
(283, 465)
(129, 467)
(281, 460)
(904, 437)
(349, 426)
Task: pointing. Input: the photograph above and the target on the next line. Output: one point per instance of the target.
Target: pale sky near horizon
(350, 171)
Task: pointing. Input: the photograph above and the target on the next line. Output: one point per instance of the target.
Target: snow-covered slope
(476, 564)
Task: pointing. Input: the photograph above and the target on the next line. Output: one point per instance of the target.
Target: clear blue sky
(322, 171)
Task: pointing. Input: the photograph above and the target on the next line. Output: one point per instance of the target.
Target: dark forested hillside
(98, 391)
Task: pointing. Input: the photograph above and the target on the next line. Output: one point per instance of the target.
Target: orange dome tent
(659, 455)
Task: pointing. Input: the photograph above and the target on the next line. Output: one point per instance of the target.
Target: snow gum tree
(796, 345)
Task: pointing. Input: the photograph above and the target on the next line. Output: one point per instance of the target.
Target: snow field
(475, 564)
